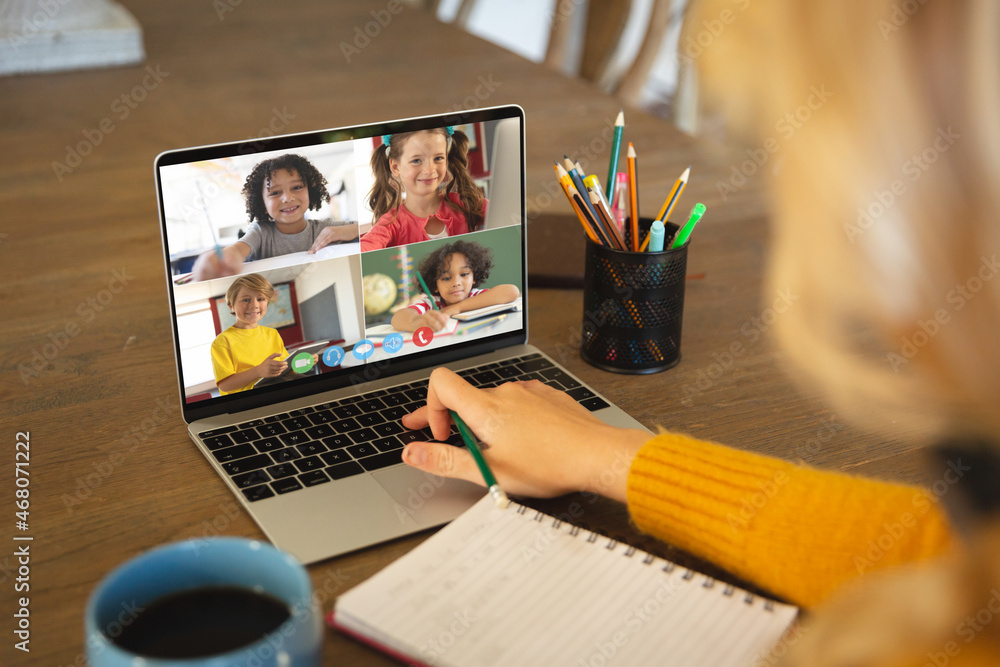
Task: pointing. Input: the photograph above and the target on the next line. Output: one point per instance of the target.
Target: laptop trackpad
(428, 499)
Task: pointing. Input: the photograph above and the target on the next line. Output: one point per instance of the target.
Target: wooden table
(88, 367)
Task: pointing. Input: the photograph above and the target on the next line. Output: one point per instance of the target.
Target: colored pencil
(576, 174)
(499, 497)
(616, 148)
(633, 198)
(427, 291)
(675, 194)
(605, 218)
(576, 202)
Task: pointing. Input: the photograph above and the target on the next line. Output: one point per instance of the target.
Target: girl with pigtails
(423, 189)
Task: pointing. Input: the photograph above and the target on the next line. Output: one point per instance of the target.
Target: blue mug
(223, 563)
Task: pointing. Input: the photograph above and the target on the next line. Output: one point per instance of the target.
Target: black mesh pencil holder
(633, 304)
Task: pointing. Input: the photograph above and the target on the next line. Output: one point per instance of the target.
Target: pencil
(427, 291)
(576, 202)
(603, 237)
(674, 195)
(499, 497)
(616, 147)
(605, 218)
(482, 325)
(633, 198)
(575, 172)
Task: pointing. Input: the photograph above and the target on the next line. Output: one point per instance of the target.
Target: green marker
(499, 497)
(682, 236)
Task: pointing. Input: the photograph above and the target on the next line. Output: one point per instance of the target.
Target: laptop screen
(315, 261)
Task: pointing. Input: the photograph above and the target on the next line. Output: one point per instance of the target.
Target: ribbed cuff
(794, 530)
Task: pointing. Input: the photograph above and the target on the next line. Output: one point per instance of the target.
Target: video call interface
(352, 249)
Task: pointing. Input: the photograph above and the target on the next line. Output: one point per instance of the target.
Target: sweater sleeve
(796, 531)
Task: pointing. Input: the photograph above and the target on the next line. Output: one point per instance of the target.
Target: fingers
(321, 242)
(447, 391)
(443, 460)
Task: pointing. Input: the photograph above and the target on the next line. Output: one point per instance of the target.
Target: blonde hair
(885, 205)
(252, 281)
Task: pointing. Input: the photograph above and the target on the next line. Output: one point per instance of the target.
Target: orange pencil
(570, 190)
(633, 199)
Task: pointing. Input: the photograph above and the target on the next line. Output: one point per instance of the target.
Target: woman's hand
(538, 441)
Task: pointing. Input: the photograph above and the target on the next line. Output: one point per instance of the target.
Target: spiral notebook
(519, 587)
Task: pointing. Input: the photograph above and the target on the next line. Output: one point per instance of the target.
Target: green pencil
(616, 147)
(499, 497)
(427, 291)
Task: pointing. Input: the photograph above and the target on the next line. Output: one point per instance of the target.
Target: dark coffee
(202, 622)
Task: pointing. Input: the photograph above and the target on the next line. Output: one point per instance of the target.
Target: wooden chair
(602, 30)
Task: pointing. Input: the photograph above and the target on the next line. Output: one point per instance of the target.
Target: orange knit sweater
(793, 530)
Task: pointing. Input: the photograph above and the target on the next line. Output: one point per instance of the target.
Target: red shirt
(400, 226)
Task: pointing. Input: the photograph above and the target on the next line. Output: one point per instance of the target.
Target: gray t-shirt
(266, 241)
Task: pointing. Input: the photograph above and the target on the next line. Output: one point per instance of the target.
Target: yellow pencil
(674, 195)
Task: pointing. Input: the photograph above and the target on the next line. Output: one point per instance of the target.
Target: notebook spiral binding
(647, 558)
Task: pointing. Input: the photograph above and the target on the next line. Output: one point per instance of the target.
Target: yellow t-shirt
(237, 350)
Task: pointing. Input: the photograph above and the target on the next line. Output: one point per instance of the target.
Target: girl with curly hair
(453, 273)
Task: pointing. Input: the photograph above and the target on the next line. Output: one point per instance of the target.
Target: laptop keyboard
(314, 445)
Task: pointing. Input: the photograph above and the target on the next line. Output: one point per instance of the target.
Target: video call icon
(303, 362)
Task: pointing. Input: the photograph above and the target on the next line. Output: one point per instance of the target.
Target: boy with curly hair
(453, 273)
(278, 192)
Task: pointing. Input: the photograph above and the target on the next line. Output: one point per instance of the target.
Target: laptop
(313, 454)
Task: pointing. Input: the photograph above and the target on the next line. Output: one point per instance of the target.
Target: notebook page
(517, 587)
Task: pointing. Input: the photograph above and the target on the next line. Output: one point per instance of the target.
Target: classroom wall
(328, 299)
